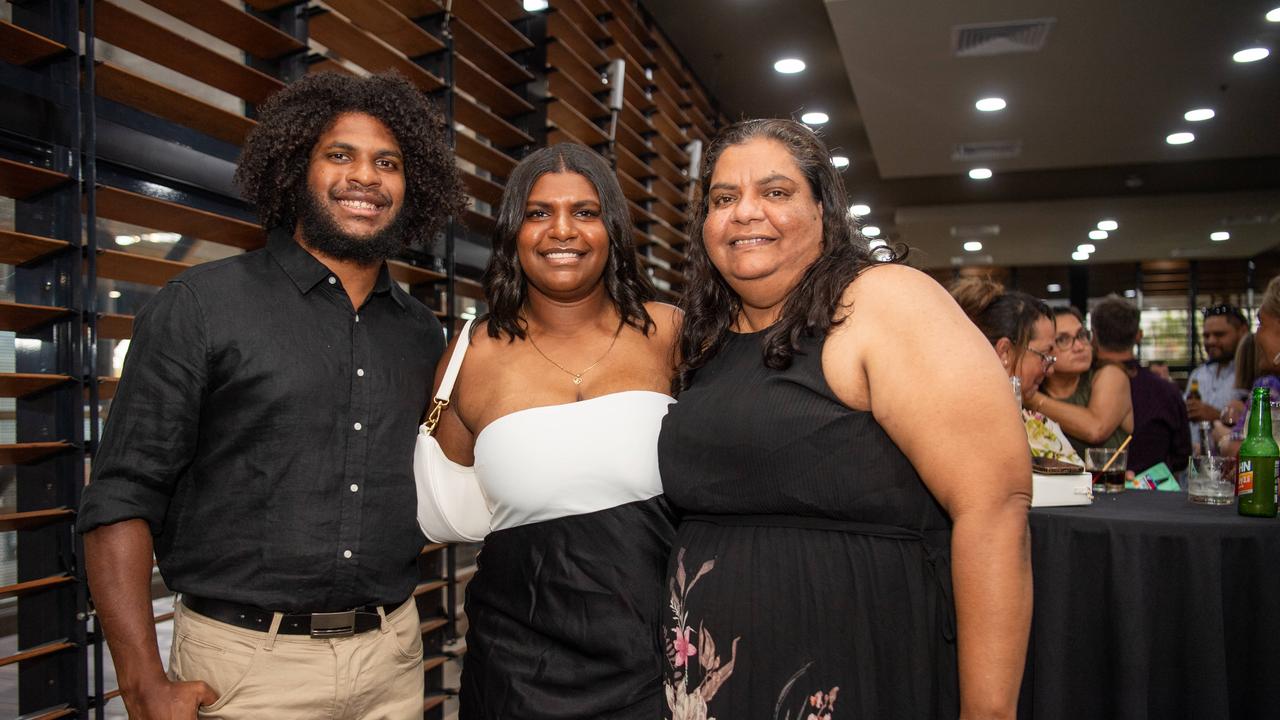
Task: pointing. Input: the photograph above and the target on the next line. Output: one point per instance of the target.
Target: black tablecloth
(1147, 606)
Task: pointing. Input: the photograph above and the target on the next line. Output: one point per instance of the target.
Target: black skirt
(564, 618)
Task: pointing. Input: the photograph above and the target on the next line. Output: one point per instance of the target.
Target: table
(1147, 606)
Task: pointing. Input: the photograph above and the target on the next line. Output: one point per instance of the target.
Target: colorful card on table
(1157, 477)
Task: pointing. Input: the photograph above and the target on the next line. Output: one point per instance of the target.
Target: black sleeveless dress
(810, 574)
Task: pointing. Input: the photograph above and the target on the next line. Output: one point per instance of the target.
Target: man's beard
(322, 233)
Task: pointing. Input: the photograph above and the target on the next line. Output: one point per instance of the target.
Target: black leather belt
(317, 625)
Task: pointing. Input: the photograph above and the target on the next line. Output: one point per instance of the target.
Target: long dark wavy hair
(505, 287)
(272, 173)
(711, 306)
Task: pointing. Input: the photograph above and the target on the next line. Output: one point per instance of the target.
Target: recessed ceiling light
(990, 104)
(1097, 234)
(1087, 248)
(980, 173)
(1219, 236)
(840, 161)
(1054, 287)
(1180, 138)
(128, 239)
(1108, 225)
(1274, 15)
(873, 244)
(535, 5)
(870, 231)
(814, 118)
(789, 66)
(1253, 54)
(113, 294)
(1198, 115)
(859, 210)
(972, 246)
(1078, 256)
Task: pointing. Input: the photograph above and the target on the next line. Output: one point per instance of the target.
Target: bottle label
(1244, 478)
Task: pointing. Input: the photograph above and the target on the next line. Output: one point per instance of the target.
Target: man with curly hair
(261, 440)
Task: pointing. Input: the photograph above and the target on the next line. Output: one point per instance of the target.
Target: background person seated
(1091, 402)
(1160, 430)
(1253, 370)
(1021, 330)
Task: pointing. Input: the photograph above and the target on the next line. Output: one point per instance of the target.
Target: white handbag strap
(455, 363)
(450, 377)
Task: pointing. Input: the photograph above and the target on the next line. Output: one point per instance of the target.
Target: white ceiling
(1150, 227)
(1114, 78)
(1091, 110)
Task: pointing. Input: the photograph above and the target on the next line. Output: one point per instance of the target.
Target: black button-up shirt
(265, 430)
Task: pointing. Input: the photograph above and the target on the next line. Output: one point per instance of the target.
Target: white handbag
(451, 505)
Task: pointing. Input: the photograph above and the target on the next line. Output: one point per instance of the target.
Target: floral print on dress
(692, 654)
(698, 671)
(1047, 439)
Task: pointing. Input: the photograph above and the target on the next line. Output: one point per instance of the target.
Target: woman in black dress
(845, 448)
(558, 403)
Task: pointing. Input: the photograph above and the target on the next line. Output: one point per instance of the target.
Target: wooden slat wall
(499, 111)
(664, 110)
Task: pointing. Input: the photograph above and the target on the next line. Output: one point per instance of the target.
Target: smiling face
(764, 226)
(563, 244)
(1221, 336)
(356, 172)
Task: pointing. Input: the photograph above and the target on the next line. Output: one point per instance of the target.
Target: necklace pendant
(577, 379)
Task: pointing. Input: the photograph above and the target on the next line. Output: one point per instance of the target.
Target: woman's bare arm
(934, 383)
(1109, 405)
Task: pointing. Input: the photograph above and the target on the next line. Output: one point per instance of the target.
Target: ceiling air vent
(990, 150)
(985, 39)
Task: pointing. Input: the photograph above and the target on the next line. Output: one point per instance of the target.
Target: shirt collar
(306, 271)
(301, 266)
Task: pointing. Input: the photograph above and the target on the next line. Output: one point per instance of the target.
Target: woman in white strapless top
(558, 405)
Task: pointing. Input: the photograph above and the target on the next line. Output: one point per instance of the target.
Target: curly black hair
(505, 286)
(272, 173)
(711, 306)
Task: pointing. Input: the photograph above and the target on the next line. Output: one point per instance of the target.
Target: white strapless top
(554, 461)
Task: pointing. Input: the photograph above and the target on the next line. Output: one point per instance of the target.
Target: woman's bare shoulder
(1110, 373)
(667, 318)
(893, 292)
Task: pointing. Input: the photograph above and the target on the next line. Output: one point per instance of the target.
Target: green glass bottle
(1258, 460)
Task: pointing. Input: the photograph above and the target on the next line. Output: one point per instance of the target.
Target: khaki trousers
(375, 675)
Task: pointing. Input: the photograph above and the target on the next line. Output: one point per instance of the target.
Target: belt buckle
(333, 624)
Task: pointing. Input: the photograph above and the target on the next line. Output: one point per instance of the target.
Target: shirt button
(333, 280)
(359, 372)
(346, 554)
(357, 426)
(354, 487)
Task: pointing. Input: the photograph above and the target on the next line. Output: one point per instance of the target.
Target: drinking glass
(1211, 480)
(1111, 481)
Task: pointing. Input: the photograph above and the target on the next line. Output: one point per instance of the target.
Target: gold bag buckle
(434, 418)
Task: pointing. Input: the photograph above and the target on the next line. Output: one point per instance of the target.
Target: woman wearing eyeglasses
(1092, 404)
(1021, 330)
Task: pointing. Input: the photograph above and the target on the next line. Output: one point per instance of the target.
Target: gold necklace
(577, 376)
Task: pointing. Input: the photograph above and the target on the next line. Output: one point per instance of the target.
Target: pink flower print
(684, 646)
